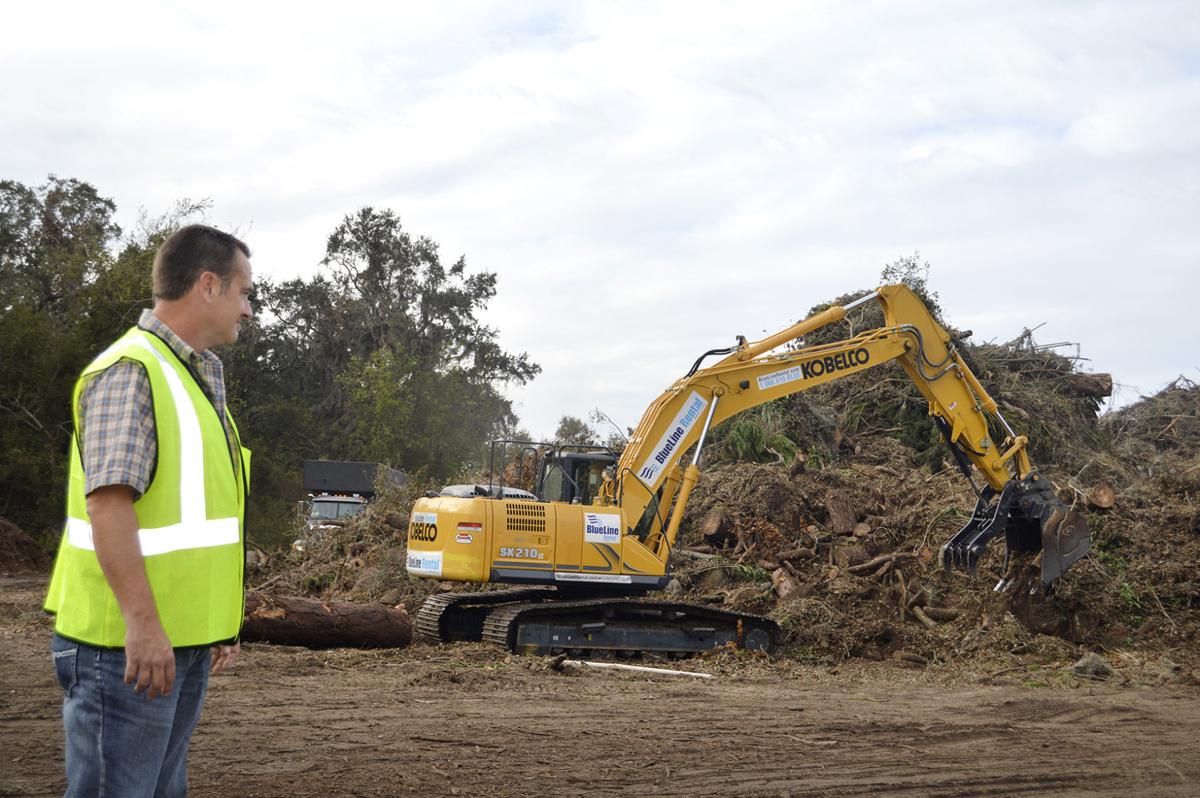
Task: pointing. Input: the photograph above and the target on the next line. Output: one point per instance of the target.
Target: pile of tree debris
(19, 553)
(309, 594)
(845, 554)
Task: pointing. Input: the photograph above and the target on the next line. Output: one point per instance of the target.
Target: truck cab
(328, 509)
(338, 490)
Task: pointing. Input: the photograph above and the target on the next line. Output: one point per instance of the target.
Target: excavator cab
(573, 477)
(568, 473)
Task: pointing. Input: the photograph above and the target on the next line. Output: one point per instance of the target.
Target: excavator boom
(1015, 501)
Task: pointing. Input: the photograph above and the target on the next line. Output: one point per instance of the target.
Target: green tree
(575, 431)
(56, 311)
(382, 356)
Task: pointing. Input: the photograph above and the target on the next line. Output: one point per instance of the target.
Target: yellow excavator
(597, 534)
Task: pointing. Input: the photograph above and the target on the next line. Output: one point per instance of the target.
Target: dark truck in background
(340, 489)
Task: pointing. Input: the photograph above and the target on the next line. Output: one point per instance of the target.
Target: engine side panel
(522, 541)
(515, 541)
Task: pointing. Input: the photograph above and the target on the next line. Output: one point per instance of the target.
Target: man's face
(232, 305)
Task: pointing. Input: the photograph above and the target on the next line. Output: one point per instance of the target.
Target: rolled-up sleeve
(117, 438)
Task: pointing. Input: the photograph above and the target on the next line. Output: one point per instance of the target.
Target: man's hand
(149, 659)
(223, 657)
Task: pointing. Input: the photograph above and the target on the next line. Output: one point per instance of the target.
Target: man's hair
(188, 253)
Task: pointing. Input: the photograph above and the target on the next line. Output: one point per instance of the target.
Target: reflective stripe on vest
(193, 531)
(191, 458)
(177, 537)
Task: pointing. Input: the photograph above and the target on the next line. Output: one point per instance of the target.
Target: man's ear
(209, 284)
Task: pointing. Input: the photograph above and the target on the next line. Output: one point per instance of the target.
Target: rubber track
(434, 608)
(500, 625)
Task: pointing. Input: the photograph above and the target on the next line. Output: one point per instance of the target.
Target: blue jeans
(121, 744)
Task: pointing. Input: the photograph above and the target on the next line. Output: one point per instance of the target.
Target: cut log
(939, 613)
(842, 517)
(1098, 386)
(923, 618)
(718, 527)
(1101, 496)
(294, 621)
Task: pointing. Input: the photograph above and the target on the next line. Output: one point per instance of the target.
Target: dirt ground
(472, 720)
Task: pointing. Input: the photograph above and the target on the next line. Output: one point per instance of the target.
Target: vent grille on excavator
(525, 517)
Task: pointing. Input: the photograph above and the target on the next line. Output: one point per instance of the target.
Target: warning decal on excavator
(688, 415)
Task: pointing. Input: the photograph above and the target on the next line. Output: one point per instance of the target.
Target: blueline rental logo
(601, 528)
(672, 437)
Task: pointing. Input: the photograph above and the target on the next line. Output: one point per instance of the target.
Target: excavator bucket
(1033, 519)
(1065, 539)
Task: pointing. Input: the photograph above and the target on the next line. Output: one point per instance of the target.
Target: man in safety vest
(147, 588)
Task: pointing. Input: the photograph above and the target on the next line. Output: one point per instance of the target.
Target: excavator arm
(651, 484)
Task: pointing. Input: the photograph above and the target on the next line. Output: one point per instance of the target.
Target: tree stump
(718, 528)
(1098, 386)
(1101, 496)
(842, 517)
(294, 621)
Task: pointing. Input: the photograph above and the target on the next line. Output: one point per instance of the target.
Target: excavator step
(459, 616)
(625, 626)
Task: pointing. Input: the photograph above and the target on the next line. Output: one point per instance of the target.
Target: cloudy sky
(651, 179)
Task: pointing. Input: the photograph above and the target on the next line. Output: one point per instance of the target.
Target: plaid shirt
(117, 438)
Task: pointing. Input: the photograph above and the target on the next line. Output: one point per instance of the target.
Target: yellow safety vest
(190, 517)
